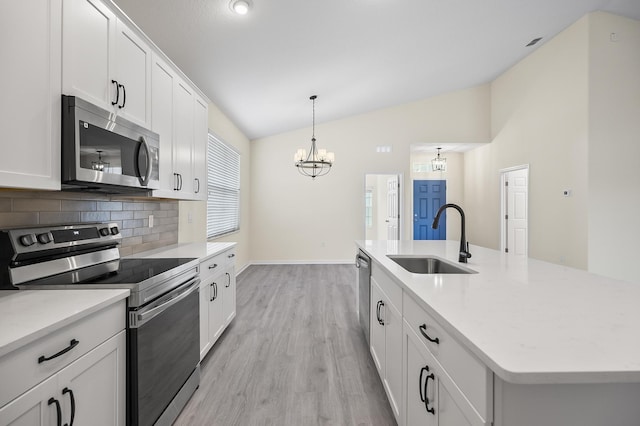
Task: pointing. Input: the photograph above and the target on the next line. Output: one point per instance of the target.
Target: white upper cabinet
(104, 61)
(133, 62)
(201, 135)
(180, 117)
(30, 111)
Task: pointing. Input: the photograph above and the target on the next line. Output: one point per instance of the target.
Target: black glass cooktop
(125, 272)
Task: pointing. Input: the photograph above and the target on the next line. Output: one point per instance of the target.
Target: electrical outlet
(150, 221)
(189, 217)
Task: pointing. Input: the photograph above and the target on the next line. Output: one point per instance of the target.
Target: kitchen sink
(430, 265)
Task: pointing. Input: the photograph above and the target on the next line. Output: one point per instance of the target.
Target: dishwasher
(363, 263)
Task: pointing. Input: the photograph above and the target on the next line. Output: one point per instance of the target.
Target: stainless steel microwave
(106, 153)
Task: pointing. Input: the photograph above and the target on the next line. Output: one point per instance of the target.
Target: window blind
(223, 188)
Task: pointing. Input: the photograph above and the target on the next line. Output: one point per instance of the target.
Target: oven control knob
(104, 231)
(44, 238)
(27, 240)
(114, 230)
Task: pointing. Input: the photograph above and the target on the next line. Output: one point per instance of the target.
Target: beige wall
(296, 219)
(614, 146)
(538, 117)
(196, 230)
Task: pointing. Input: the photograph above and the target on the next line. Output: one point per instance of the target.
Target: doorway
(428, 196)
(514, 214)
(382, 206)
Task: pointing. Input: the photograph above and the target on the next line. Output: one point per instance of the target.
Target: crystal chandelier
(99, 165)
(439, 164)
(317, 162)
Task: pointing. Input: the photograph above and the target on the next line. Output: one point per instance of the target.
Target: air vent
(534, 41)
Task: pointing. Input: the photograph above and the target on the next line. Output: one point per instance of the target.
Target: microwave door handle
(144, 180)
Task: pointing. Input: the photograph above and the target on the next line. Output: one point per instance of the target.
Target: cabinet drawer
(21, 368)
(215, 264)
(471, 376)
(392, 290)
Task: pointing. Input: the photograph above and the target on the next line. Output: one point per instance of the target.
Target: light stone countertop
(201, 251)
(529, 321)
(27, 315)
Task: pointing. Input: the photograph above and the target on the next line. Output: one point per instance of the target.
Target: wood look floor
(294, 355)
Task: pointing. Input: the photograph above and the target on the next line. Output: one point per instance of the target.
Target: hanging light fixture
(99, 165)
(439, 164)
(317, 162)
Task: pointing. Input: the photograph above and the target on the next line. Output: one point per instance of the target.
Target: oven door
(163, 351)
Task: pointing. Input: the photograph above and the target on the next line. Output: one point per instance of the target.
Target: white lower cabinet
(90, 390)
(386, 345)
(217, 298)
(428, 390)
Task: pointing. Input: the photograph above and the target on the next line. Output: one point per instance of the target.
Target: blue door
(428, 196)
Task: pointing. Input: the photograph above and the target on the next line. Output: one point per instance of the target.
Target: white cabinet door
(133, 63)
(393, 358)
(205, 342)
(376, 338)
(229, 295)
(163, 83)
(201, 136)
(415, 379)
(36, 407)
(183, 137)
(88, 50)
(93, 387)
(216, 313)
(30, 113)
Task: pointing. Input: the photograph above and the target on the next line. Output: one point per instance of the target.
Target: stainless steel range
(163, 354)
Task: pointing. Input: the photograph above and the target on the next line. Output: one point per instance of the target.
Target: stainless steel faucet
(464, 245)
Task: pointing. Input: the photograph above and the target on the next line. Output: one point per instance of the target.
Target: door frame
(400, 201)
(503, 204)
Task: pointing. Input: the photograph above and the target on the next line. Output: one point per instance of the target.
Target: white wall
(539, 111)
(296, 219)
(614, 146)
(196, 231)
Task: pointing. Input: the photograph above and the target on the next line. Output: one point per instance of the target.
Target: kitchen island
(562, 346)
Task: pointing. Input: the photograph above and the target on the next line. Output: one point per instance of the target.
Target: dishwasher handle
(361, 262)
(139, 318)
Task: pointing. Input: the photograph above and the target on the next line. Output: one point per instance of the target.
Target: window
(368, 208)
(223, 189)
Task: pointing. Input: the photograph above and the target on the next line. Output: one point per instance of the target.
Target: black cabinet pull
(72, 344)
(117, 92)
(379, 312)
(73, 404)
(55, 401)
(198, 182)
(421, 388)
(426, 398)
(228, 280)
(124, 95)
(211, 298)
(215, 287)
(423, 331)
(215, 265)
(179, 182)
(175, 181)
(231, 255)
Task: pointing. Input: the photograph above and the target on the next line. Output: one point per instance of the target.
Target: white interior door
(516, 200)
(392, 209)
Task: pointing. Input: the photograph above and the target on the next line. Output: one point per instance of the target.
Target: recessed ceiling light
(241, 7)
(534, 41)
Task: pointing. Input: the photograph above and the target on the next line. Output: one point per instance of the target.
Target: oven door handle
(137, 319)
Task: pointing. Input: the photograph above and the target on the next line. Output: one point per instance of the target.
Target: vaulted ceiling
(356, 55)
